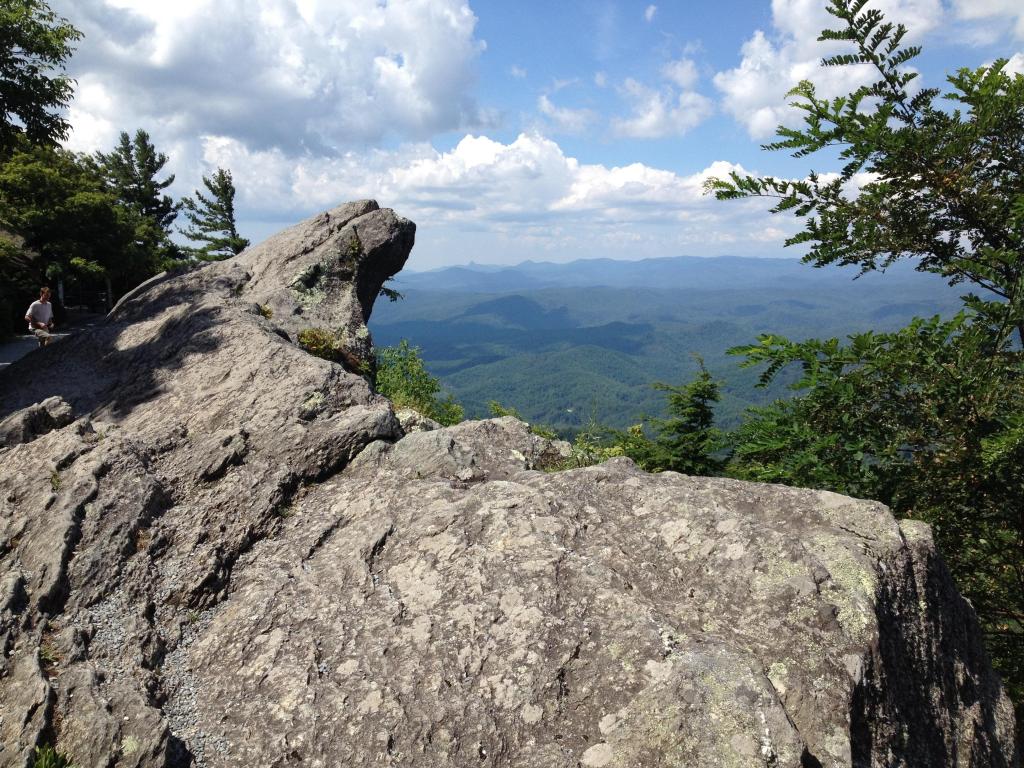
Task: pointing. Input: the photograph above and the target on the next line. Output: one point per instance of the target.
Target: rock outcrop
(230, 555)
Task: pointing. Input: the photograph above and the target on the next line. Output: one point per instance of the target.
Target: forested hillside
(567, 343)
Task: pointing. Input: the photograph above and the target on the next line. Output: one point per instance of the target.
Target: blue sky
(507, 131)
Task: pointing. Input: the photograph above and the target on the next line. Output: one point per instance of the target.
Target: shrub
(403, 378)
(321, 342)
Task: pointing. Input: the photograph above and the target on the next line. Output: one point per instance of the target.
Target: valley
(565, 344)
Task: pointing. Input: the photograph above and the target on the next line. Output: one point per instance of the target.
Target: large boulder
(231, 556)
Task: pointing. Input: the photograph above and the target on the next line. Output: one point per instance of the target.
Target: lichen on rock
(247, 561)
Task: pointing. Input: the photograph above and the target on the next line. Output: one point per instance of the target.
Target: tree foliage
(35, 45)
(16, 280)
(131, 171)
(402, 377)
(928, 177)
(68, 224)
(99, 221)
(928, 418)
(211, 219)
(686, 441)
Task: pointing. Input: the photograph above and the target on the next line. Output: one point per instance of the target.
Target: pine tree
(131, 172)
(688, 440)
(212, 219)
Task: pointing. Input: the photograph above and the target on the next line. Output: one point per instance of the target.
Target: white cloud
(682, 72)
(293, 73)
(639, 191)
(649, 12)
(559, 84)
(754, 92)
(518, 73)
(293, 96)
(564, 119)
(997, 14)
(527, 196)
(600, 79)
(657, 113)
(1016, 64)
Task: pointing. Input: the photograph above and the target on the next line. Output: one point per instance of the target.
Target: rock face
(231, 556)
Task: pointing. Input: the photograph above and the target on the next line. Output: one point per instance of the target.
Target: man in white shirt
(40, 317)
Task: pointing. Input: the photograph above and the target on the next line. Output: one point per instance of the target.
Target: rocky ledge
(220, 550)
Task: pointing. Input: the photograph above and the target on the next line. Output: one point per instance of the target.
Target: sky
(508, 131)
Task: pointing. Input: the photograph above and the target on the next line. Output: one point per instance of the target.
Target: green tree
(212, 219)
(131, 172)
(17, 272)
(926, 419)
(403, 378)
(687, 440)
(68, 221)
(943, 176)
(35, 45)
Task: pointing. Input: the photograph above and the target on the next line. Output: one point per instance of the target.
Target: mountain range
(570, 343)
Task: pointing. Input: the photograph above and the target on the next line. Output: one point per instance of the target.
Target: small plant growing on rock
(55, 481)
(48, 757)
(320, 342)
(355, 246)
(49, 655)
(265, 310)
(324, 343)
(143, 538)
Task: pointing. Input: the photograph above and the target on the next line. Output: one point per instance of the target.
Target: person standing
(40, 317)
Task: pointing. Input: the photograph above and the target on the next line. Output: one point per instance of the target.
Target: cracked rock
(235, 558)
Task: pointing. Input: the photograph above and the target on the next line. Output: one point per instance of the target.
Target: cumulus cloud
(313, 102)
(565, 119)
(524, 193)
(754, 92)
(657, 113)
(1016, 64)
(297, 74)
(682, 72)
(649, 12)
(997, 13)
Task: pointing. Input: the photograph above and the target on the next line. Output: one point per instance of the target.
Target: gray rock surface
(414, 421)
(232, 557)
(29, 423)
